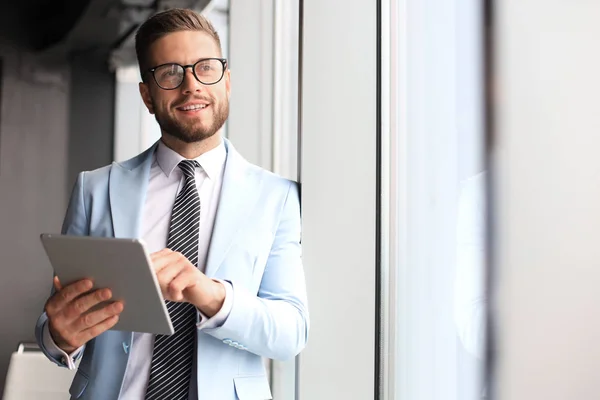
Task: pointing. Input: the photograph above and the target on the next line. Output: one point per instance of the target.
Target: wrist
(66, 348)
(61, 344)
(212, 299)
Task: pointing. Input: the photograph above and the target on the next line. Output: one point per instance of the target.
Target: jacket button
(125, 347)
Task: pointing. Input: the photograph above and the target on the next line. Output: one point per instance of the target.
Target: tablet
(122, 265)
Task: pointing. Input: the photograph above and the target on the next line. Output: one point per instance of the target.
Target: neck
(191, 150)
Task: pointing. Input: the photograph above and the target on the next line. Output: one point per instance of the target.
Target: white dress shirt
(165, 182)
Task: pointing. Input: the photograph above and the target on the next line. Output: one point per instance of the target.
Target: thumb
(57, 284)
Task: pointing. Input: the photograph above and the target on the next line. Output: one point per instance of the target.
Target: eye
(169, 72)
(204, 67)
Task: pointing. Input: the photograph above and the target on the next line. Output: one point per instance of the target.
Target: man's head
(191, 103)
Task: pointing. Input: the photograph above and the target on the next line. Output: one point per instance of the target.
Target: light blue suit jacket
(255, 245)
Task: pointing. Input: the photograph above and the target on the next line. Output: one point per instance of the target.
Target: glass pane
(439, 182)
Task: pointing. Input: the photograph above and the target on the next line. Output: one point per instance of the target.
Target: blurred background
(447, 152)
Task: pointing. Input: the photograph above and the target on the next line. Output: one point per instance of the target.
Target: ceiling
(93, 27)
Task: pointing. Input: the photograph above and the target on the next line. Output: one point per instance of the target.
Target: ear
(228, 82)
(146, 97)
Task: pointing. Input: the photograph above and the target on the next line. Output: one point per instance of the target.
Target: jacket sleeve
(274, 324)
(75, 223)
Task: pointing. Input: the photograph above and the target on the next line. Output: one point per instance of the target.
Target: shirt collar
(212, 161)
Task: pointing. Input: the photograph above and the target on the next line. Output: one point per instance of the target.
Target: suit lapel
(239, 193)
(128, 185)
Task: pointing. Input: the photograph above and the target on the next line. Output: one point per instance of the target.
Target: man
(224, 237)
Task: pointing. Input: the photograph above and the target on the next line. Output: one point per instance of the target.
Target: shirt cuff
(57, 352)
(221, 316)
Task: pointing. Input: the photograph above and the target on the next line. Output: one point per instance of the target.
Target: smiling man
(224, 236)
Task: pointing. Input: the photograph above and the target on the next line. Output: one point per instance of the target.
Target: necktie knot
(188, 167)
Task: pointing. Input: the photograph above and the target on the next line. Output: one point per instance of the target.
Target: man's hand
(70, 321)
(181, 281)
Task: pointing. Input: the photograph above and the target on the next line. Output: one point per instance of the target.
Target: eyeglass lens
(170, 76)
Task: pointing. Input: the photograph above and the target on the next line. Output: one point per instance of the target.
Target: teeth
(193, 107)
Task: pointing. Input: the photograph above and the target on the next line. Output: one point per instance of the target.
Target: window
(434, 179)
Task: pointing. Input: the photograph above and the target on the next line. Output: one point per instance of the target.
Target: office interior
(447, 157)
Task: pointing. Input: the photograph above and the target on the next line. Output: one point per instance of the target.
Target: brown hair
(169, 21)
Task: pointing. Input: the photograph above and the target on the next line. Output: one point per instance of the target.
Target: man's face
(174, 109)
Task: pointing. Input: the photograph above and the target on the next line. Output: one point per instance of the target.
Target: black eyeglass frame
(193, 67)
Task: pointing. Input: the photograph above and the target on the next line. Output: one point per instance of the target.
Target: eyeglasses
(207, 71)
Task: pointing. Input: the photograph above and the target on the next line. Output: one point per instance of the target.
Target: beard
(193, 131)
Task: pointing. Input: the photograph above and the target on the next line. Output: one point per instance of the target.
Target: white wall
(251, 63)
(548, 187)
(135, 128)
(338, 171)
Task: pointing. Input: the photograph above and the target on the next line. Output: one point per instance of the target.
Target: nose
(190, 84)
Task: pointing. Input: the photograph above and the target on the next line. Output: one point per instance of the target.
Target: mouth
(192, 109)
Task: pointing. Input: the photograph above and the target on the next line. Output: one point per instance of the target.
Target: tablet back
(124, 266)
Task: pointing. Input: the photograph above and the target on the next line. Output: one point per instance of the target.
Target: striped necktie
(172, 358)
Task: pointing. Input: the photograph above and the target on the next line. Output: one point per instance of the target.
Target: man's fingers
(82, 304)
(160, 254)
(91, 319)
(168, 266)
(65, 295)
(170, 271)
(168, 259)
(69, 334)
(165, 276)
(98, 329)
(184, 280)
(57, 284)
(166, 250)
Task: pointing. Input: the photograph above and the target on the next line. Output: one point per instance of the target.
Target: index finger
(159, 254)
(71, 291)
